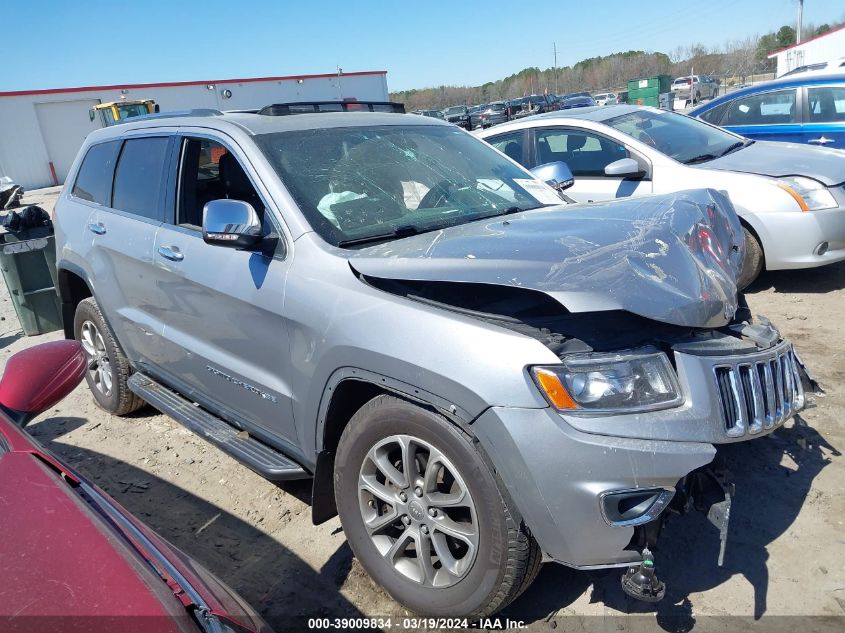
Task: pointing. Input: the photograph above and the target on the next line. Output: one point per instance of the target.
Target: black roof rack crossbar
(307, 107)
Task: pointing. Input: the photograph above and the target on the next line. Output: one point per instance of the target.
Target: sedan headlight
(642, 380)
(811, 195)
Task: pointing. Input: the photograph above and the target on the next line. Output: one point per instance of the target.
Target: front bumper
(556, 475)
(557, 470)
(795, 239)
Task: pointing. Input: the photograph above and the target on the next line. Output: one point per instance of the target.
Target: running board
(266, 461)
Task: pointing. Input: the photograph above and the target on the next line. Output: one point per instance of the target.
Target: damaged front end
(617, 291)
(673, 259)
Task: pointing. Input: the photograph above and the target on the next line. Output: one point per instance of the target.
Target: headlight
(610, 383)
(811, 195)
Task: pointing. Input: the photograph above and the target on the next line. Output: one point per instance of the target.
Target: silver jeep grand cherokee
(477, 377)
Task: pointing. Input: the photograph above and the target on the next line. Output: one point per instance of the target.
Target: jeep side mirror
(232, 223)
(556, 174)
(623, 167)
(38, 377)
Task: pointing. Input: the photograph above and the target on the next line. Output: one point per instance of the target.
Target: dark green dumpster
(647, 90)
(28, 262)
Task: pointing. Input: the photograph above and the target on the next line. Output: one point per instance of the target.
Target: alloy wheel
(99, 365)
(418, 511)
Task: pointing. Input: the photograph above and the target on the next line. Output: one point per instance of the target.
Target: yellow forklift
(117, 111)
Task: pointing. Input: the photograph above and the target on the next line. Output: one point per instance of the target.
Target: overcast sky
(53, 44)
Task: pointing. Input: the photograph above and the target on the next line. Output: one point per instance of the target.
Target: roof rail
(306, 107)
(174, 114)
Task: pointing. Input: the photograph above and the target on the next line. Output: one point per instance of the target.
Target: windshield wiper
(700, 159)
(735, 146)
(401, 231)
(732, 148)
(511, 210)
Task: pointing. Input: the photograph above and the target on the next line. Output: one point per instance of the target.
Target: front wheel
(752, 265)
(424, 515)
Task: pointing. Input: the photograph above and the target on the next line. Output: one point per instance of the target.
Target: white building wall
(24, 154)
(820, 49)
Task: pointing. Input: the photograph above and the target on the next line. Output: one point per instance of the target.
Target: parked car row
(488, 115)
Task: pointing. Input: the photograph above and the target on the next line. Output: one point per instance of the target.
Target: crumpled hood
(785, 159)
(672, 258)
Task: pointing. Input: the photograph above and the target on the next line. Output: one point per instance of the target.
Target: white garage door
(64, 125)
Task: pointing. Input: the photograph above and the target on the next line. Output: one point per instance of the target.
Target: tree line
(733, 62)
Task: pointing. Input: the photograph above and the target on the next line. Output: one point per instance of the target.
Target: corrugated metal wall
(25, 153)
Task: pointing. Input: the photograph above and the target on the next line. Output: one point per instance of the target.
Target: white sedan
(790, 198)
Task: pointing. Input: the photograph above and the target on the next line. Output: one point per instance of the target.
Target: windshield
(455, 110)
(127, 111)
(361, 184)
(680, 137)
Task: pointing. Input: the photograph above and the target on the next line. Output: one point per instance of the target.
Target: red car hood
(63, 568)
(56, 561)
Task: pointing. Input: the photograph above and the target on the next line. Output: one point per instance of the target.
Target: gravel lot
(785, 555)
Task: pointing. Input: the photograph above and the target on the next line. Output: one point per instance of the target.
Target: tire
(107, 374)
(697, 98)
(470, 581)
(752, 265)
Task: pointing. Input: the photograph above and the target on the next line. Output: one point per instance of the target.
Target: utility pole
(800, 21)
(556, 87)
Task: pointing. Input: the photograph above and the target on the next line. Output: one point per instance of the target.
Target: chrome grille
(759, 394)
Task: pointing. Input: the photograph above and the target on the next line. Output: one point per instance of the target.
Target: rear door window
(826, 104)
(770, 108)
(93, 183)
(139, 177)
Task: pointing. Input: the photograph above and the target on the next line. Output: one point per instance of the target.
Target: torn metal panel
(672, 258)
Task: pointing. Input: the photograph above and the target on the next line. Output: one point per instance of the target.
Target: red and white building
(41, 130)
(822, 48)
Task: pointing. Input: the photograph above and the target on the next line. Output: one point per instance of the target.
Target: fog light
(625, 508)
(821, 249)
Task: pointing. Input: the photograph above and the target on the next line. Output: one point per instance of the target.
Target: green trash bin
(28, 262)
(647, 90)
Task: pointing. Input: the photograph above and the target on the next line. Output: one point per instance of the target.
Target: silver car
(789, 197)
(476, 376)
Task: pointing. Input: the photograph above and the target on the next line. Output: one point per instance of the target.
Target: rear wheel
(108, 368)
(752, 265)
(423, 513)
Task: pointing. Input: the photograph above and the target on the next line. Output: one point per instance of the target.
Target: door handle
(170, 252)
(97, 228)
(821, 140)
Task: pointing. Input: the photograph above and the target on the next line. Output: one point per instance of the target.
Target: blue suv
(794, 109)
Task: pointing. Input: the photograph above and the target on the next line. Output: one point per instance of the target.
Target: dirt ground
(785, 555)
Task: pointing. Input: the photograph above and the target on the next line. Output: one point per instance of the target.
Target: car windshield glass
(455, 110)
(685, 139)
(358, 184)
